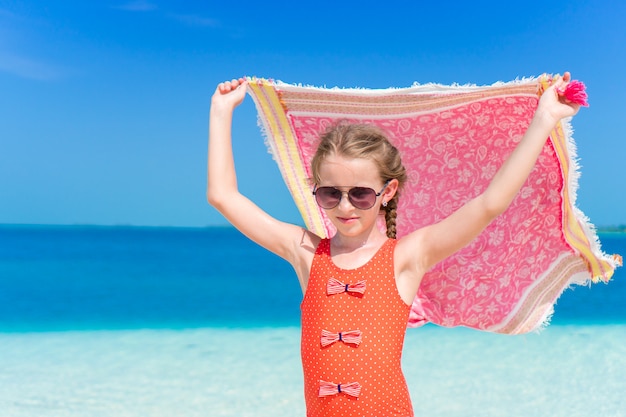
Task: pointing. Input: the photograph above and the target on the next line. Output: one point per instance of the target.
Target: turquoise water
(79, 278)
(195, 322)
(101, 278)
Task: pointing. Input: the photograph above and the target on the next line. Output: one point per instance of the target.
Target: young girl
(359, 285)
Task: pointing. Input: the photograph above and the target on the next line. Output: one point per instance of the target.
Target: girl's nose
(344, 202)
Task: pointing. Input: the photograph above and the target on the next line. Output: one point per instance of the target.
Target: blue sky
(104, 104)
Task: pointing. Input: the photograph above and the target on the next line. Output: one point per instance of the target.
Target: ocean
(138, 321)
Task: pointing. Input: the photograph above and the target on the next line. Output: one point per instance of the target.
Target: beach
(564, 371)
(158, 322)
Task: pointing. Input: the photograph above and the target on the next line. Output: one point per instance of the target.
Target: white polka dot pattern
(375, 363)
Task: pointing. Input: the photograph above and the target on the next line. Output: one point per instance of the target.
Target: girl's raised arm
(278, 237)
(436, 242)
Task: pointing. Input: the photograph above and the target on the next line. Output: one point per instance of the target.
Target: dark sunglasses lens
(327, 197)
(362, 198)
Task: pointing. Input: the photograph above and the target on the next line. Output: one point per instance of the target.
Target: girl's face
(344, 174)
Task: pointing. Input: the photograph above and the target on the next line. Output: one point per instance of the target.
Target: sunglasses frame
(377, 194)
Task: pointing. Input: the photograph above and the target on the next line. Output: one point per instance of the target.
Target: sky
(104, 104)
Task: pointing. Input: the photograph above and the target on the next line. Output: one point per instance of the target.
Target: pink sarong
(452, 140)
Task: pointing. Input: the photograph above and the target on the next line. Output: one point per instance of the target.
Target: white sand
(564, 371)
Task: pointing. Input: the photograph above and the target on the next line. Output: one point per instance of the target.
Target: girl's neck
(350, 252)
(341, 244)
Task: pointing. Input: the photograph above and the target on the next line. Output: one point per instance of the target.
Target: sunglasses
(362, 198)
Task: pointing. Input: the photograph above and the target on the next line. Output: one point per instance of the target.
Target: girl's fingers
(228, 86)
(224, 87)
(562, 82)
(567, 76)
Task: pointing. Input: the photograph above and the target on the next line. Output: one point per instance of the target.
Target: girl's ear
(390, 190)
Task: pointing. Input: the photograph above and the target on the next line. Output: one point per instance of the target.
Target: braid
(391, 212)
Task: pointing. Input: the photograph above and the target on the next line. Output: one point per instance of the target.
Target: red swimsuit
(353, 326)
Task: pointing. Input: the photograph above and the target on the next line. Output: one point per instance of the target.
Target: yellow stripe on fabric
(285, 150)
(573, 231)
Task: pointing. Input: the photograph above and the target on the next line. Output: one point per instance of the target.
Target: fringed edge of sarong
(415, 88)
(579, 233)
(534, 310)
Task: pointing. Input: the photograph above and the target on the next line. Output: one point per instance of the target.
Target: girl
(358, 286)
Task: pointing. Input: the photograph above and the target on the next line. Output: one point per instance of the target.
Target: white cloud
(7, 14)
(18, 34)
(138, 6)
(30, 68)
(195, 20)
(186, 19)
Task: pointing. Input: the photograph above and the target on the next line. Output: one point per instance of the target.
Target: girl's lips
(347, 219)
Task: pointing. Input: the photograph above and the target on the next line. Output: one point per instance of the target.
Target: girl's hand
(229, 94)
(553, 103)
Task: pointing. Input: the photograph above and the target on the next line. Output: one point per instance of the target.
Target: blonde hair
(364, 141)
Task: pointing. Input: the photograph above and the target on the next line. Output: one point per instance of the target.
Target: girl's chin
(349, 227)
